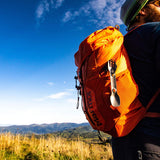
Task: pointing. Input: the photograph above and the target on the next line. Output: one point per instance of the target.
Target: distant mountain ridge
(40, 128)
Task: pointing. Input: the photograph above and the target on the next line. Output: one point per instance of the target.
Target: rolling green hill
(40, 128)
(83, 133)
(70, 131)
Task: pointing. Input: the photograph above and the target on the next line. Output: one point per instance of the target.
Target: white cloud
(42, 8)
(55, 96)
(71, 90)
(67, 17)
(50, 83)
(45, 6)
(39, 11)
(99, 12)
(58, 3)
(58, 95)
(98, 5)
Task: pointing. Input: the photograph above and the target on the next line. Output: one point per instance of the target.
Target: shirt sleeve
(157, 51)
(157, 57)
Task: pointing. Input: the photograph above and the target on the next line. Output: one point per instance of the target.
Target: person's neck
(135, 25)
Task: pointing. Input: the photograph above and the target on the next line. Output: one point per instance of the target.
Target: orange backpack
(109, 91)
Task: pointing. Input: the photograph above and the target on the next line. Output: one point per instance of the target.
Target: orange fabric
(93, 54)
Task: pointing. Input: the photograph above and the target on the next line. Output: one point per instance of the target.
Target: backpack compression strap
(152, 114)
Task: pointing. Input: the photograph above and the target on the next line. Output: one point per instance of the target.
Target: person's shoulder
(154, 26)
(149, 32)
(150, 29)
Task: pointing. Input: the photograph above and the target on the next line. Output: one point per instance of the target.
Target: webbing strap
(152, 114)
(153, 99)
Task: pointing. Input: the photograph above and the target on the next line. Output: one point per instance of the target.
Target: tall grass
(18, 147)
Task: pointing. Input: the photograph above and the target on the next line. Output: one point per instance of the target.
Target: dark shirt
(143, 48)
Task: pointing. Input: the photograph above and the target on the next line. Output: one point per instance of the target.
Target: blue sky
(38, 39)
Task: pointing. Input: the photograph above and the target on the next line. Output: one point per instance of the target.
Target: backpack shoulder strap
(152, 114)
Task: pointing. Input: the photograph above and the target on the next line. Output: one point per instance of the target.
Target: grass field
(18, 147)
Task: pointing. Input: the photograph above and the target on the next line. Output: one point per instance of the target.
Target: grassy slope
(18, 147)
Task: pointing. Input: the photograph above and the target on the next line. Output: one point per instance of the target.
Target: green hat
(130, 10)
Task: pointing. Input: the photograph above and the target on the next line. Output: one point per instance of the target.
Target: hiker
(142, 42)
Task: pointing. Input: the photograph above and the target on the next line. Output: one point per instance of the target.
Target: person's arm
(156, 41)
(157, 59)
